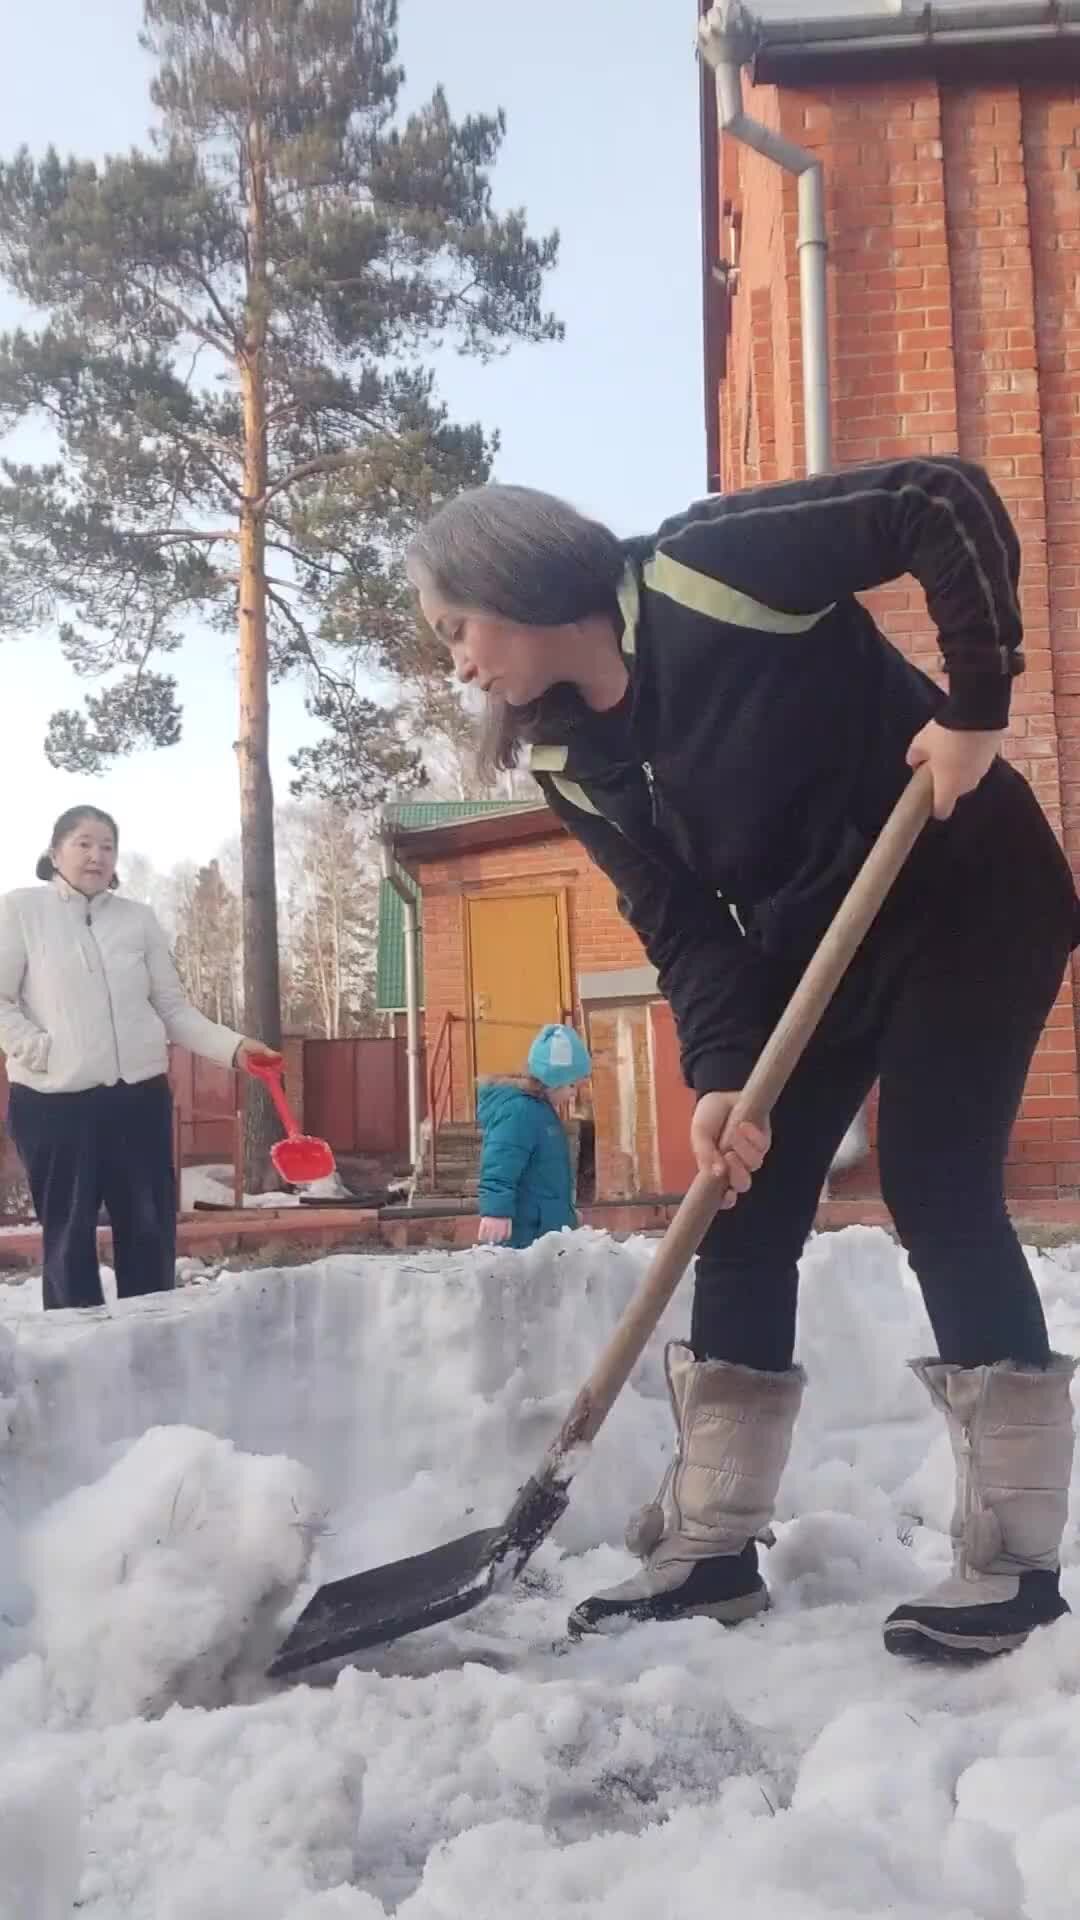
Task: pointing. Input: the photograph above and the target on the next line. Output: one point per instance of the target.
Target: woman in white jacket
(89, 1000)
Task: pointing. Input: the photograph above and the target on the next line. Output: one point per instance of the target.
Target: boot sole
(913, 1641)
(726, 1613)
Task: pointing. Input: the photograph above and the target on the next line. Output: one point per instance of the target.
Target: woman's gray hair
(523, 555)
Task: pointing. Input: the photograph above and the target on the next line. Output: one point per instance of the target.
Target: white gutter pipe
(728, 35)
(412, 996)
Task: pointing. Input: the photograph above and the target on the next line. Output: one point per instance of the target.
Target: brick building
(950, 150)
(949, 141)
(520, 928)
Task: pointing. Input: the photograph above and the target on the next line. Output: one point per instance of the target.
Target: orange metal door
(517, 973)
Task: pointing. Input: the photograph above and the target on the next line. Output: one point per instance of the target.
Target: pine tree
(231, 365)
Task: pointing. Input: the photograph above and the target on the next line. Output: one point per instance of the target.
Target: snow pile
(212, 1186)
(191, 1271)
(790, 1769)
(40, 1848)
(155, 1582)
(415, 1389)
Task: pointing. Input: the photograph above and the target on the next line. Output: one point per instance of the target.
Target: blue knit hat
(557, 1057)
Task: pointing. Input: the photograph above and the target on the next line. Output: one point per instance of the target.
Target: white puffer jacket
(89, 994)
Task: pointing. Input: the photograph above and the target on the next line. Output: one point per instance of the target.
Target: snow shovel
(369, 1609)
(301, 1158)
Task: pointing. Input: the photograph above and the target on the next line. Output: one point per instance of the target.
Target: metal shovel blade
(371, 1609)
(302, 1159)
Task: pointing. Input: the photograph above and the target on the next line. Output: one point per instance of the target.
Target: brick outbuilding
(520, 928)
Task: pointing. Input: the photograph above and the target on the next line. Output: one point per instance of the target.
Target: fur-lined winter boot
(1011, 1429)
(697, 1539)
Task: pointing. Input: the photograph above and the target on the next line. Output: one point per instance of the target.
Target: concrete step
(458, 1160)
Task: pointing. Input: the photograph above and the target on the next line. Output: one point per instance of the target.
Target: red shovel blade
(302, 1159)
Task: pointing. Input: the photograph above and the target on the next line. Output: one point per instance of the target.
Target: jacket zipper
(108, 990)
(650, 781)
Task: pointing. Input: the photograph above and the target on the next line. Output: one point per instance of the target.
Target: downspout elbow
(728, 38)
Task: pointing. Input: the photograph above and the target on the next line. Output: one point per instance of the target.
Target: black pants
(985, 932)
(111, 1147)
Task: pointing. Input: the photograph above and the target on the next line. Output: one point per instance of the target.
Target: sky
(602, 142)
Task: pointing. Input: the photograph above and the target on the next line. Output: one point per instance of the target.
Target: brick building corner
(953, 209)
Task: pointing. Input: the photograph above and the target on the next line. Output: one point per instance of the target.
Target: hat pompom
(557, 1057)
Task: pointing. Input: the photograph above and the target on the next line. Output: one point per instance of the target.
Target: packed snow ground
(169, 1467)
(213, 1186)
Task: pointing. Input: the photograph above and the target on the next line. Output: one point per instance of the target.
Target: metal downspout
(412, 996)
(728, 35)
(728, 38)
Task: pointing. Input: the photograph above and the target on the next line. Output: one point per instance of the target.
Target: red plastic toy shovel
(301, 1158)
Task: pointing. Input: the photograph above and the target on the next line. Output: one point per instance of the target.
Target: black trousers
(111, 1147)
(983, 933)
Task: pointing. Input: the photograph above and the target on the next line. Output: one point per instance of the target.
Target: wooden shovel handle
(776, 1063)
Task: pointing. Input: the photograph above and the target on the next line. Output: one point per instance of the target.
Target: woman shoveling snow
(721, 724)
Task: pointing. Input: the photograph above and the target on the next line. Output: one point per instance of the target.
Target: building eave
(416, 847)
(968, 42)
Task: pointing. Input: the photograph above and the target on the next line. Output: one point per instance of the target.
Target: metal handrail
(440, 1086)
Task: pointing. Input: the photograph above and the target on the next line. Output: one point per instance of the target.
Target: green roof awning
(412, 816)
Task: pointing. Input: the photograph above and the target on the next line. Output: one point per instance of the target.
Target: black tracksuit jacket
(736, 789)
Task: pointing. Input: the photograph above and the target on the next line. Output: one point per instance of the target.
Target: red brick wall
(761, 422)
(954, 219)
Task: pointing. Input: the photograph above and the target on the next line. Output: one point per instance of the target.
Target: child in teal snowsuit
(526, 1184)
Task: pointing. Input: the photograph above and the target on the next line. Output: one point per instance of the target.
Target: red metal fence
(356, 1094)
(352, 1092)
(9, 1159)
(206, 1102)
